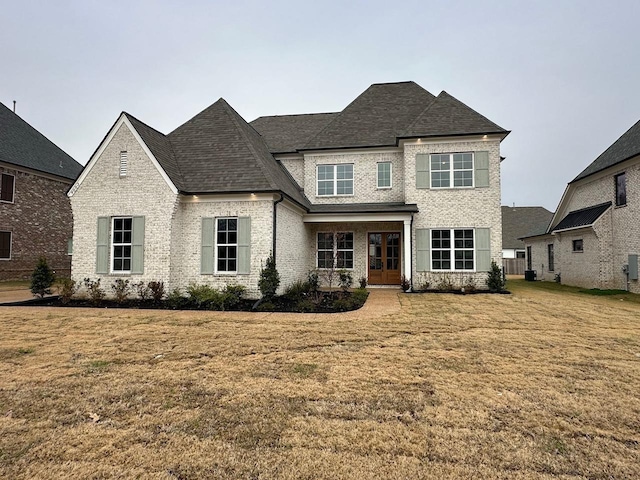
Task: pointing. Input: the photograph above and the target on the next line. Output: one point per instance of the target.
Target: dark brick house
(35, 213)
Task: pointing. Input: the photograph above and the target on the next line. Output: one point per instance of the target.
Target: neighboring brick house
(35, 213)
(398, 183)
(593, 240)
(518, 222)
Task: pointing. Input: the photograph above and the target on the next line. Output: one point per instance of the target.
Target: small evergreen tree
(42, 278)
(269, 279)
(495, 280)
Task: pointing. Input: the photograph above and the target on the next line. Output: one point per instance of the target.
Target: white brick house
(398, 183)
(593, 240)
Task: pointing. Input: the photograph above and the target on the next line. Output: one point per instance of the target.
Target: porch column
(407, 250)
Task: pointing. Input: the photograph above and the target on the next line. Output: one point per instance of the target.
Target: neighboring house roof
(288, 133)
(390, 207)
(584, 217)
(22, 145)
(447, 115)
(626, 147)
(378, 117)
(218, 152)
(519, 222)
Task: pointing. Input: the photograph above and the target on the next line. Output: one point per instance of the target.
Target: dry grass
(538, 384)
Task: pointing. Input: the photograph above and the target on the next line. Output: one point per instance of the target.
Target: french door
(384, 258)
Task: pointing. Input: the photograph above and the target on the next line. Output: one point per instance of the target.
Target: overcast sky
(563, 76)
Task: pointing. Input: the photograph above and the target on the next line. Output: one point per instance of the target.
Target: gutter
(275, 225)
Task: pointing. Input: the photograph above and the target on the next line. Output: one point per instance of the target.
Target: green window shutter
(244, 245)
(423, 250)
(422, 170)
(137, 245)
(482, 169)
(206, 246)
(102, 246)
(483, 249)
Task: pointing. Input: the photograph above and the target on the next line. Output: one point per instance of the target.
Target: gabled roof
(519, 222)
(447, 115)
(585, 217)
(374, 118)
(626, 147)
(24, 146)
(288, 133)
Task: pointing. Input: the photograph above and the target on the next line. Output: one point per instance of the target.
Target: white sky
(562, 75)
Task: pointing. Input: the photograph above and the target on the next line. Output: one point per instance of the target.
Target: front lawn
(538, 384)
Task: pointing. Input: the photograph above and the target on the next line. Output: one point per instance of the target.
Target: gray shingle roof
(218, 152)
(519, 222)
(626, 147)
(583, 217)
(23, 145)
(288, 133)
(447, 115)
(391, 207)
(375, 117)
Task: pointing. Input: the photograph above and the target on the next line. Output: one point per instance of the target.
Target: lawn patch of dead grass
(538, 384)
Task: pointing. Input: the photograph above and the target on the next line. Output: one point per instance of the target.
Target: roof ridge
(473, 109)
(144, 123)
(293, 115)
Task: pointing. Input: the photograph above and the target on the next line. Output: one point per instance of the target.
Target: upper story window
(452, 255)
(121, 244)
(335, 179)
(384, 175)
(621, 189)
(123, 164)
(7, 188)
(5, 245)
(578, 245)
(451, 169)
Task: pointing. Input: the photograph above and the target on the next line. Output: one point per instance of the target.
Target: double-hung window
(452, 249)
(335, 250)
(621, 189)
(384, 175)
(227, 244)
(122, 229)
(5, 245)
(335, 180)
(451, 170)
(6, 188)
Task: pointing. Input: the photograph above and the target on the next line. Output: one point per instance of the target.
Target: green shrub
(342, 304)
(176, 300)
(359, 296)
(305, 305)
(495, 280)
(96, 294)
(269, 279)
(363, 282)
(345, 280)
(313, 279)
(67, 288)
(266, 307)
(42, 278)
(200, 296)
(121, 290)
(297, 290)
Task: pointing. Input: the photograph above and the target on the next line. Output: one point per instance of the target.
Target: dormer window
(123, 164)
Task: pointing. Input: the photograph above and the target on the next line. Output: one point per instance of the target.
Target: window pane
(384, 175)
(344, 172)
(222, 237)
(117, 236)
(440, 162)
(126, 236)
(345, 187)
(222, 253)
(325, 172)
(222, 224)
(232, 237)
(117, 264)
(127, 223)
(325, 187)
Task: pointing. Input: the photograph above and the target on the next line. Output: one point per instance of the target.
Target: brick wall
(456, 207)
(41, 224)
(292, 245)
(365, 177)
(142, 192)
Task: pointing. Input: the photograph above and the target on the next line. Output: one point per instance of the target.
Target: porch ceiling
(361, 212)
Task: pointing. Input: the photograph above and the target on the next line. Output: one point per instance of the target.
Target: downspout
(411, 252)
(275, 225)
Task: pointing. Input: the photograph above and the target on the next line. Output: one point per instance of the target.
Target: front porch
(372, 241)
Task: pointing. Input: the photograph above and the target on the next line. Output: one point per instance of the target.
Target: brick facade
(40, 222)
(607, 244)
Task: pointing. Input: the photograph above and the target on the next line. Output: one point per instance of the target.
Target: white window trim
(113, 247)
(13, 193)
(452, 249)
(390, 176)
(336, 250)
(10, 245)
(216, 244)
(452, 170)
(335, 180)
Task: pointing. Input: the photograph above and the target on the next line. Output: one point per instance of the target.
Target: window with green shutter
(225, 245)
